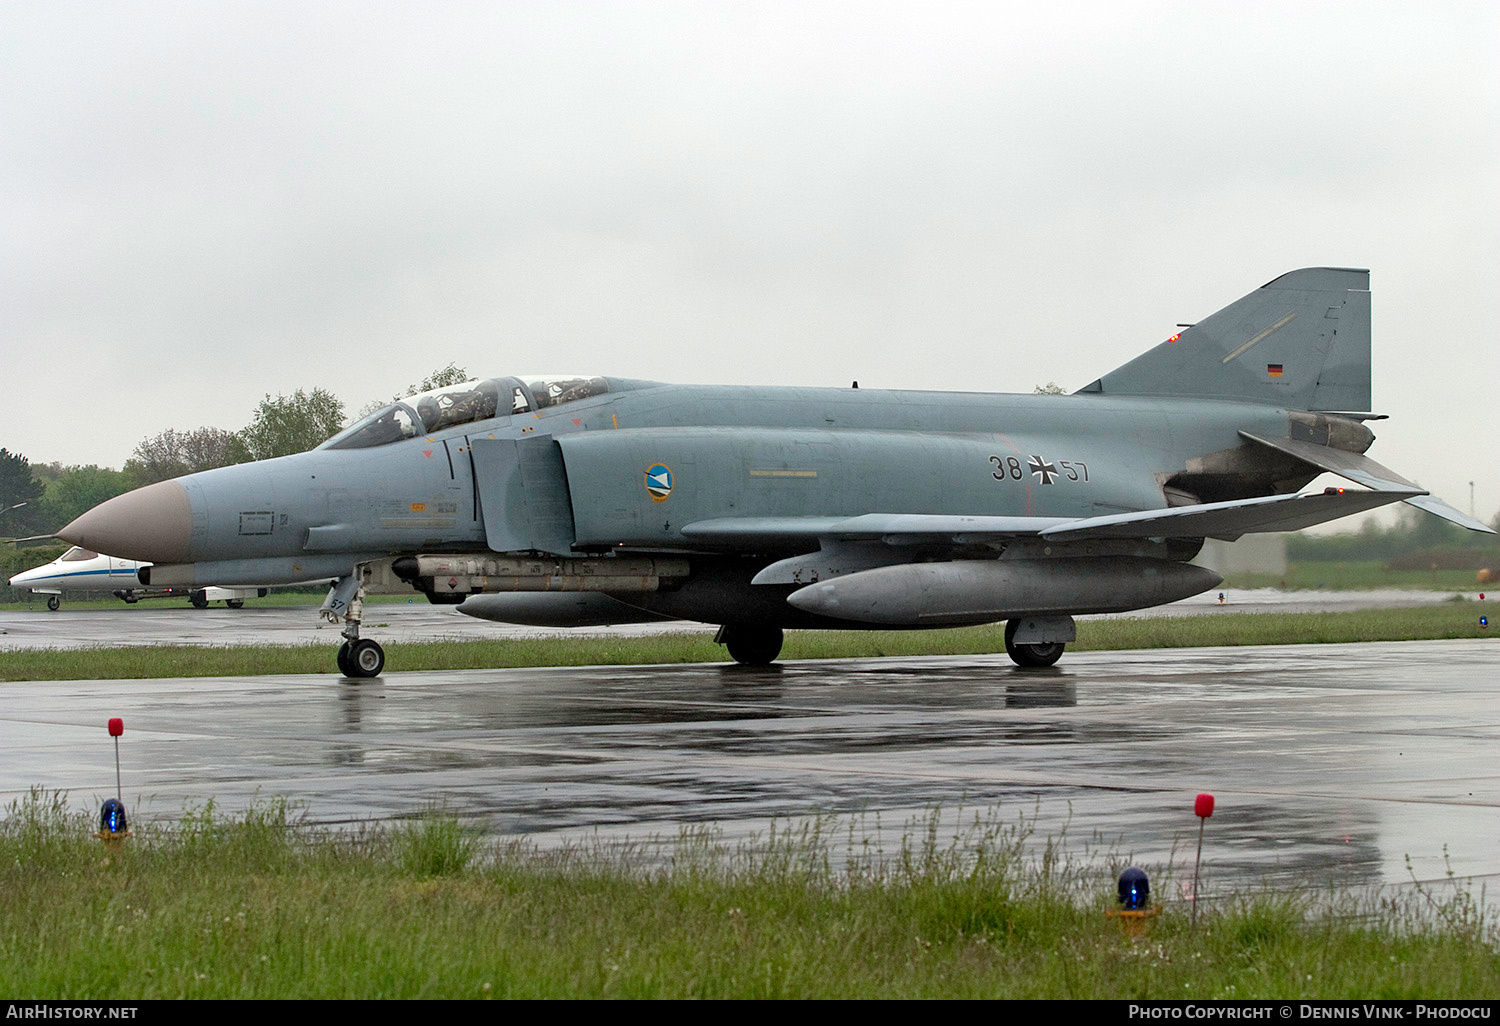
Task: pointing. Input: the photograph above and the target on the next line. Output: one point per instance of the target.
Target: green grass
(1459, 619)
(259, 906)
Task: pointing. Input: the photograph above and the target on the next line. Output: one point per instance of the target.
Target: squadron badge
(659, 482)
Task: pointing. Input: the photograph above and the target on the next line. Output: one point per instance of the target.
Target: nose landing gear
(357, 657)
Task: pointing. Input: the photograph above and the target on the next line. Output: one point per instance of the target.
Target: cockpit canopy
(440, 408)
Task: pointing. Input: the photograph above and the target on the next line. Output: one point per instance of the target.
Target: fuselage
(717, 451)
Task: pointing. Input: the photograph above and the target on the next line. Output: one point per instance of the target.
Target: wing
(845, 543)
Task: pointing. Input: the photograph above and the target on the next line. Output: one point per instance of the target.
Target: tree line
(1413, 532)
(37, 499)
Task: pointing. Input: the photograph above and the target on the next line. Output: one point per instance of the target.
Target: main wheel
(1031, 655)
(199, 600)
(365, 659)
(753, 646)
(53, 602)
(235, 603)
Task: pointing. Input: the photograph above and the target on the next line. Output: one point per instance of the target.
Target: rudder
(1301, 341)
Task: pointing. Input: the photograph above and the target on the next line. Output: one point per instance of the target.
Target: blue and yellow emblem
(659, 482)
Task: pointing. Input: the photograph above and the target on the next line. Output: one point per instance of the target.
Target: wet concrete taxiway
(1330, 763)
(271, 621)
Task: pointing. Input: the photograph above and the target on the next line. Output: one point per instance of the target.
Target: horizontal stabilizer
(1228, 520)
(1361, 469)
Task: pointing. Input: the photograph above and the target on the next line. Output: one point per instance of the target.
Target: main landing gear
(357, 657)
(1030, 655)
(750, 646)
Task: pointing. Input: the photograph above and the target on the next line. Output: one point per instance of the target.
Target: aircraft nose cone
(154, 523)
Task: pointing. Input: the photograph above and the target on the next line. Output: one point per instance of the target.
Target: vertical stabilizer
(1301, 341)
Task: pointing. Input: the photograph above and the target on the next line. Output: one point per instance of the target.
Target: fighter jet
(81, 570)
(576, 500)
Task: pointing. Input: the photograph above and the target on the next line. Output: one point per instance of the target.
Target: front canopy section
(455, 405)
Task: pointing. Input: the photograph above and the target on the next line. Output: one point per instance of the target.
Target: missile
(973, 591)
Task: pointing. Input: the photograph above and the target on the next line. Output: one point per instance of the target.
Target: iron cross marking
(1041, 468)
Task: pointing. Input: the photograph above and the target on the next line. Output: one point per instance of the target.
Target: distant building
(1252, 554)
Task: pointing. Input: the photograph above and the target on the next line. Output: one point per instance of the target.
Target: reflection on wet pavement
(1330, 763)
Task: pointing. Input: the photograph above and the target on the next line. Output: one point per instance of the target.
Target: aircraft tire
(753, 646)
(366, 658)
(234, 603)
(1031, 656)
(53, 602)
(199, 600)
(343, 659)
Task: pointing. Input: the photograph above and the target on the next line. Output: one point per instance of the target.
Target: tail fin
(1301, 341)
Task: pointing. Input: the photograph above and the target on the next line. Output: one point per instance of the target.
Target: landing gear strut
(357, 657)
(1030, 655)
(751, 646)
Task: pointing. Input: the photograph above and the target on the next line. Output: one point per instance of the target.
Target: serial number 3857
(1010, 468)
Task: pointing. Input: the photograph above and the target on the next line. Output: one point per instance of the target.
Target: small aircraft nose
(154, 523)
(24, 577)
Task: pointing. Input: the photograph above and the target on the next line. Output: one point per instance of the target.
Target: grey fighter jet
(575, 500)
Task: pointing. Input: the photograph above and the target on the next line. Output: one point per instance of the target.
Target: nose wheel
(362, 658)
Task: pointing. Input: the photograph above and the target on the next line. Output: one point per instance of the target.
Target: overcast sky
(202, 203)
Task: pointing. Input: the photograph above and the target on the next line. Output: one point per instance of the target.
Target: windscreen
(391, 424)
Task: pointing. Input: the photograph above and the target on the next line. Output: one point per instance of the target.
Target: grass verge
(1442, 620)
(259, 906)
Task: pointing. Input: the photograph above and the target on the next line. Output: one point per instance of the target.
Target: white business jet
(81, 569)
